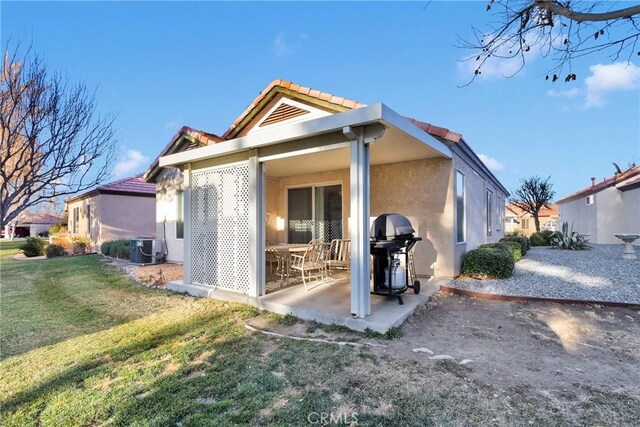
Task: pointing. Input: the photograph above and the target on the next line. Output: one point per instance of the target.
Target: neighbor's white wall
(583, 217)
(610, 217)
(631, 202)
(168, 183)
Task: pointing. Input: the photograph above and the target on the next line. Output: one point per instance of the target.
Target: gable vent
(282, 113)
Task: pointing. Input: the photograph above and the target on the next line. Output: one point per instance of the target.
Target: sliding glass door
(314, 213)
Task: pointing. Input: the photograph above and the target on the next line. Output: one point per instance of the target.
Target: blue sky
(163, 65)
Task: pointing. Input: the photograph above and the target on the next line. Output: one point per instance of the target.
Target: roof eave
(377, 113)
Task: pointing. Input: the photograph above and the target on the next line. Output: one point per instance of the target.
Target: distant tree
(560, 30)
(53, 141)
(532, 195)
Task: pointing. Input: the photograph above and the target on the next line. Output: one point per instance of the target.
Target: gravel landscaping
(599, 274)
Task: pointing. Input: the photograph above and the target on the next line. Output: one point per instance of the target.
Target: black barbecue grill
(392, 239)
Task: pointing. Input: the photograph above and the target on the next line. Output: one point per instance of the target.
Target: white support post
(187, 255)
(360, 281)
(256, 226)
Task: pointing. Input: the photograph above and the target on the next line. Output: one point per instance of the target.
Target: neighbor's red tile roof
(606, 183)
(551, 210)
(37, 218)
(133, 184)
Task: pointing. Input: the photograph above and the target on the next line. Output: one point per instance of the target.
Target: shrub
(488, 262)
(513, 248)
(61, 226)
(80, 245)
(44, 234)
(116, 248)
(542, 238)
(54, 251)
(521, 240)
(566, 238)
(33, 246)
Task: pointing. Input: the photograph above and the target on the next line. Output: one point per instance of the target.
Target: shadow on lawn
(89, 364)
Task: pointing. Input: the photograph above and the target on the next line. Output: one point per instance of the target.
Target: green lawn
(84, 345)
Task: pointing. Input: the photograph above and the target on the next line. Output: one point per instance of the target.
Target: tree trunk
(536, 220)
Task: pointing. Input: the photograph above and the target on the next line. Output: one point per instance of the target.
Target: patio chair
(339, 255)
(311, 265)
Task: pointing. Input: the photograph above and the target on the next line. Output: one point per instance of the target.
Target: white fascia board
(394, 119)
(335, 123)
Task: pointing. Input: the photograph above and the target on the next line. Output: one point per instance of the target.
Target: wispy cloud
(569, 93)
(500, 64)
(285, 46)
(605, 79)
(130, 162)
(493, 164)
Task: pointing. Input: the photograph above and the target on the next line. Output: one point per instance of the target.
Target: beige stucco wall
(168, 183)
(475, 205)
(420, 190)
(83, 220)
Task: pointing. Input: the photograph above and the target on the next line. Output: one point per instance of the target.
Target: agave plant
(566, 238)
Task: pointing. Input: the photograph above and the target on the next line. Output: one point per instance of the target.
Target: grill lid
(390, 226)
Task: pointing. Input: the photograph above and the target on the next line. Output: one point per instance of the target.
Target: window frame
(313, 186)
(179, 215)
(488, 201)
(89, 218)
(459, 174)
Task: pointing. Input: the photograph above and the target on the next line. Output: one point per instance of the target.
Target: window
(76, 219)
(89, 218)
(314, 213)
(525, 223)
(590, 200)
(489, 212)
(460, 214)
(180, 214)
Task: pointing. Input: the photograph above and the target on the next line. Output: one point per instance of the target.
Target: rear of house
(299, 164)
(605, 208)
(119, 210)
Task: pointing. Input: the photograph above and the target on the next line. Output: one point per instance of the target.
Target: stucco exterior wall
(83, 220)
(610, 215)
(631, 201)
(125, 217)
(583, 217)
(168, 183)
(475, 210)
(421, 190)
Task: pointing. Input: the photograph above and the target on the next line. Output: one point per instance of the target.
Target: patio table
(282, 253)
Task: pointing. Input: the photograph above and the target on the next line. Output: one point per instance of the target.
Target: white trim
(377, 113)
(313, 186)
(305, 151)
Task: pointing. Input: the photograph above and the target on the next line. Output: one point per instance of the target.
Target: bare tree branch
(54, 143)
(558, 30)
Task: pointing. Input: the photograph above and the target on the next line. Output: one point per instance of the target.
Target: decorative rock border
(515, 298)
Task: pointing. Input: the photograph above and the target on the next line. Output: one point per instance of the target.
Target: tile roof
(630, 184)
(443, 133)
(37, 218)
(545, 211)
(338, 101)
(133, 185)
(606, 183)
(201, 136)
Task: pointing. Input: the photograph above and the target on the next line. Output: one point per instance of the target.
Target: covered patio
(324, 178)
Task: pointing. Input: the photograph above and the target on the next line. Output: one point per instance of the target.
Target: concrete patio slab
(326, 303)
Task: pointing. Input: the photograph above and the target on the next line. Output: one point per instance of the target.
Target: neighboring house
(300, 164)
(31, 224)
(119, 210)
(605, 208)
(517, 220)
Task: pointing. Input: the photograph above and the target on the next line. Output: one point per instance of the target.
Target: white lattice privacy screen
(220, 228)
